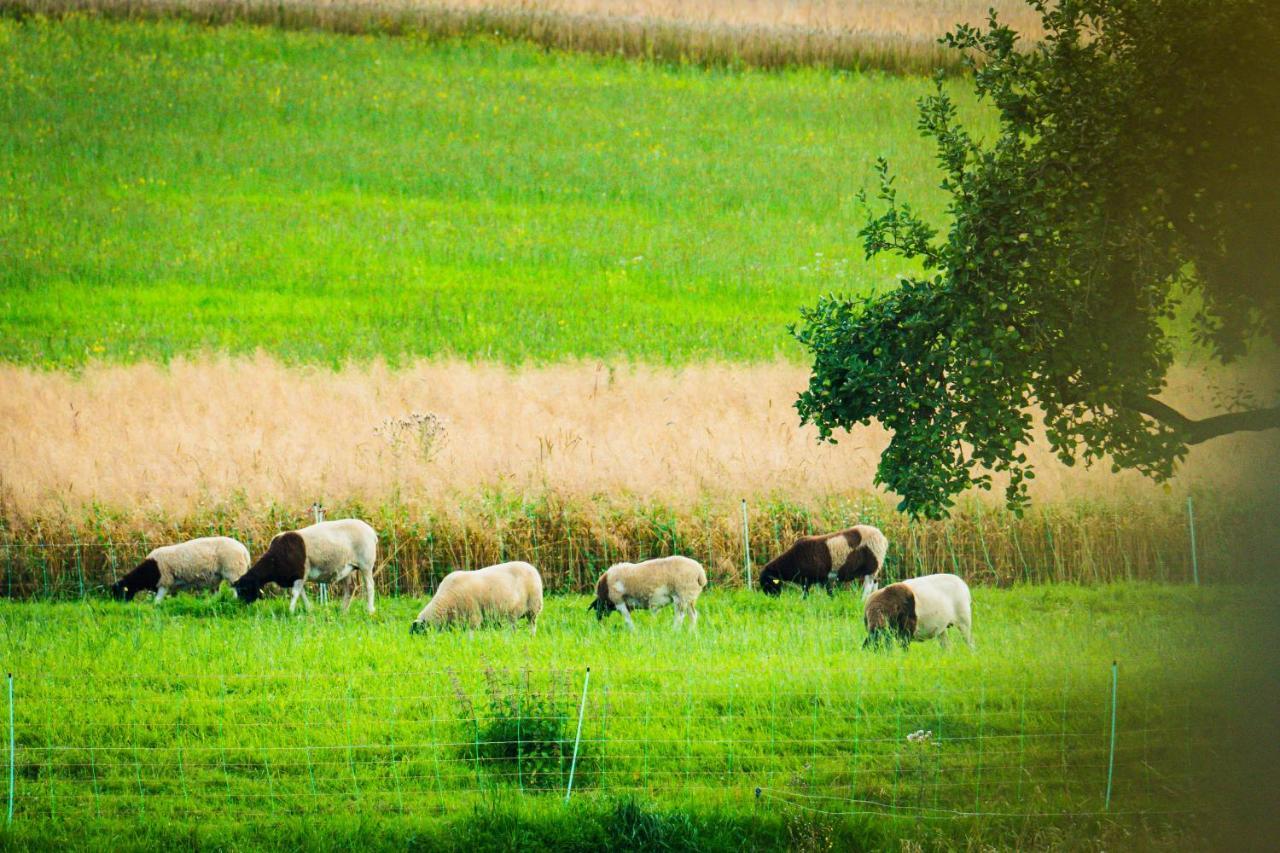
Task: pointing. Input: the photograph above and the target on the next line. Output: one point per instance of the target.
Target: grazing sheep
(829, 559)
(326, 552)
(507, 591)
(198, 564)
(650, 585)
(919, 609)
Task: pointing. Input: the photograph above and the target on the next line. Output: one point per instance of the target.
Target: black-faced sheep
(198, 564)
(919, 609)
(829, 559)
(507, 591)
(326, 552)
(650, 585)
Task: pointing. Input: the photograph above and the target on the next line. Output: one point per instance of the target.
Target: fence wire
(190, 747)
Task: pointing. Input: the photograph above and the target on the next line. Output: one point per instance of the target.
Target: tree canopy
(1133, 182)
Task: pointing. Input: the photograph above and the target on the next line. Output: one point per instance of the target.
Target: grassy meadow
(210, 723)
(167, 189)
(512, 302)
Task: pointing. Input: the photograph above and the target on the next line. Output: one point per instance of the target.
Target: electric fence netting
(203, 747)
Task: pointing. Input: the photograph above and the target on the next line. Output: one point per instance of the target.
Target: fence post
(317, 513)
(1195, 557)
(1111, 760)
(746, 545)
(12, 776)
(582, 706)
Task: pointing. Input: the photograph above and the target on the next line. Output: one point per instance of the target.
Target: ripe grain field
(214, 724)
(167, 188)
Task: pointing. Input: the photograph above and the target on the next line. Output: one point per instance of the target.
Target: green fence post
(12, 751)
(1111, 761)
(1195, 557)
(582, 707)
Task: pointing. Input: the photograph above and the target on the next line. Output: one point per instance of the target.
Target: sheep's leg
(942, 639)
(679, 615)
(966, 629)
(298, 591)
(869, 585)
(804, 589)
(693, 617)
(368, 590)
(832, 577)
(533, 623)
(351, 591)
(160, 593)
(626, 614)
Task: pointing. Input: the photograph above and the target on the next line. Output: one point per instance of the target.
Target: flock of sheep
(330, 551)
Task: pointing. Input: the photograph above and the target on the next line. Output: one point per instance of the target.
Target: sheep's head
(417, 626)
(146, 575)
(602, 605)
(283, 563)
(890, 616)
(770, 583)
(247, 589)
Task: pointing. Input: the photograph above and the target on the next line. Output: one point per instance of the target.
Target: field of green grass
(204, 721)
(167, 188)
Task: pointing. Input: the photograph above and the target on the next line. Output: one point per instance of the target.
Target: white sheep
(650, 585)
(198, 564)
(506, 591)
(326, 553)
(919, 609)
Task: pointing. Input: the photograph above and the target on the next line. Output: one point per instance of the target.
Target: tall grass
(167, 188)
(571, 466)
(878, 34)
(173, 441)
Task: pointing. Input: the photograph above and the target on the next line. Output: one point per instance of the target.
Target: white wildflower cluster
(424, 432)
(921, 736)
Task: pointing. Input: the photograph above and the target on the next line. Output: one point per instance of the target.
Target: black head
(247, 590)
(602, 605)
(416, 627)
(146, 576)
(770, 583)
(283, 563)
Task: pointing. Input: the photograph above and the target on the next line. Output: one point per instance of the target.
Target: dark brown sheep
(829, 559)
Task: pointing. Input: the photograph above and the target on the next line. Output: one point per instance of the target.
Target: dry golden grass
(895, 35)
(571, 466)
(171, 439)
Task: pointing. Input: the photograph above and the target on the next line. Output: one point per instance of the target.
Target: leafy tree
(1135, 171)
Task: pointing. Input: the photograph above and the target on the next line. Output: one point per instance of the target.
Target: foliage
(523, 735)
(169, 189)
(1133, 173)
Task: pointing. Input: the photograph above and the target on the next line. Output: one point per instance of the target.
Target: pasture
(206, 722)
(168, 189)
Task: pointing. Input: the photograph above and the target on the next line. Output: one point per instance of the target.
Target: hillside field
(212, 723)
(166, 188)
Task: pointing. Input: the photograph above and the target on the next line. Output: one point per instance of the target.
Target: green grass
(166, 189)
(205, 721)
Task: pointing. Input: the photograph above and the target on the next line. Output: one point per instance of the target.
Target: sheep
(919, 609)
(197, 564)
(829, 559)
(325, 552)
(650, 585)
(506, 591)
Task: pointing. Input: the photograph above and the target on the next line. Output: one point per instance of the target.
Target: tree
(1133, 182)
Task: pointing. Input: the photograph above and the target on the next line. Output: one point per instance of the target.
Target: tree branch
(1203, 430)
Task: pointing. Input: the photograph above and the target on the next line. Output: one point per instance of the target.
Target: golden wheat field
(895, 35)
(146, 437)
